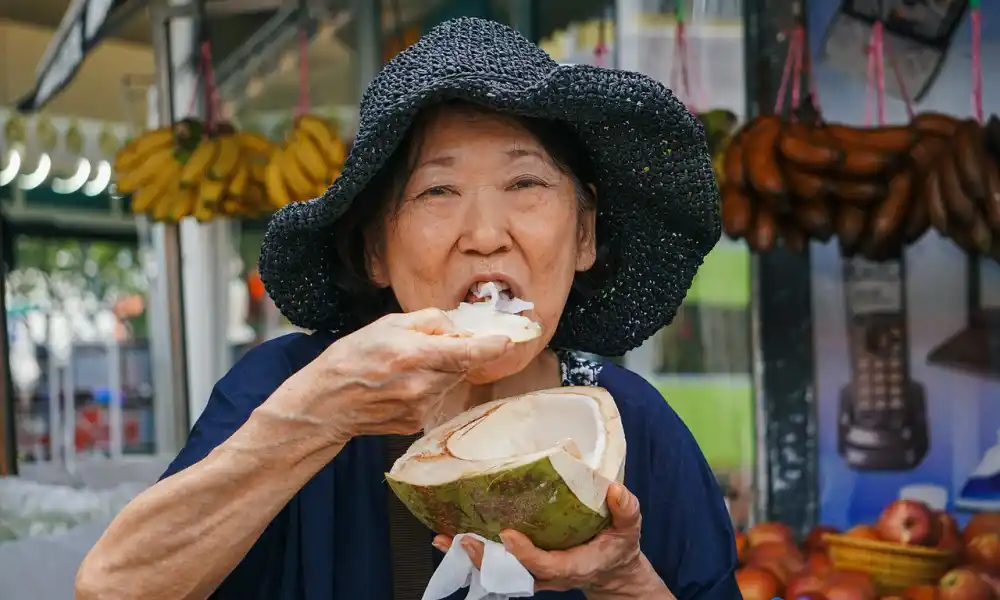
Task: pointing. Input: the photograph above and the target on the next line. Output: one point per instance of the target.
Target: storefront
(820, 386)
(873, 307)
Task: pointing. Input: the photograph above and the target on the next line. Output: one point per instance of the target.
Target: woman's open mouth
(483, 291)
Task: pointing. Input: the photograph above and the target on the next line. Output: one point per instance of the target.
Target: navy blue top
(331, 541)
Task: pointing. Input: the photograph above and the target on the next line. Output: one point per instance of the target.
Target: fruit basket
(893, 567)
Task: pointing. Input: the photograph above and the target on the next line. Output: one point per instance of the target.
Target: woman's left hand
(610, 565)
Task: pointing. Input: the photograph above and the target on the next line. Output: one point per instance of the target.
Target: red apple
(850, 585)
(742, 545)
(763, 533)
(981, 523)
(806, 596)
(991, 580)
(780, 550)
(984, 551)
(757, 584)
(922, 592)
(964, 584)
(776, 566)
(819, 562)
(951, 537)
(804, 583)
(908, 522)
(814, 541)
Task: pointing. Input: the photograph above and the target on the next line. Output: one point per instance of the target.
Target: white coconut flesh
(540, 463)
(497, 314)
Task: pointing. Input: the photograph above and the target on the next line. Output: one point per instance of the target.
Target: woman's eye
(525, 184)
(435, 191)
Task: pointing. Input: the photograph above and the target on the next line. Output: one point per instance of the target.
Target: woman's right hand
(391, 376)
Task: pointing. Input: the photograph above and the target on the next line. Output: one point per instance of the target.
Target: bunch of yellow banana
(225, 175)
(311, 158)
(149, 165)
(185, 171)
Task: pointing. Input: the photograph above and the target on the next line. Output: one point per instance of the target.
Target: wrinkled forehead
(445, 127)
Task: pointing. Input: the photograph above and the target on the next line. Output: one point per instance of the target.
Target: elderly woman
(588, 192)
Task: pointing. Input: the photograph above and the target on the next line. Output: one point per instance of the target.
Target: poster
(907, 377)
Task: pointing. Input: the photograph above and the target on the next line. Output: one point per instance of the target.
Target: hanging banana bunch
(313, 153)
(148, 166)
(200, 169)
(180, 171)
(225, 175)
(311, 158)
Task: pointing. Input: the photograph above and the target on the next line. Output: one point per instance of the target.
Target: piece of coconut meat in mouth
(490, 309)
(497, 294)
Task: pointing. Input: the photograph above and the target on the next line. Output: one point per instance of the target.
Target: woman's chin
(510, 364)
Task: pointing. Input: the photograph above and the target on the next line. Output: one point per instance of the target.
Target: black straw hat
(658, 200)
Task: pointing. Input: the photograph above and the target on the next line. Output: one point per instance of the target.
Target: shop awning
(85, 24)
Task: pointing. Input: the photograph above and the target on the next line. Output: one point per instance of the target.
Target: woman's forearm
(181, 538)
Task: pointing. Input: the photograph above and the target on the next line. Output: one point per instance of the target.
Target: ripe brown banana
(737, 211)
(760, 160)
(804, 146)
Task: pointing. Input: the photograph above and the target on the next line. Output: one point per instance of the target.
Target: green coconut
(539, 463)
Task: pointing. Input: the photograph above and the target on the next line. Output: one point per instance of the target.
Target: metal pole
(627, 48)
(522, 17)
(165, 310)
(206, 249)
(8, 426)
(368, 23)
(784, 368)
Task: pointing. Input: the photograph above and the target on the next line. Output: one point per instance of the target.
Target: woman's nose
(486, 228)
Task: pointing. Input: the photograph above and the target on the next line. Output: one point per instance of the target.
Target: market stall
(870, 219)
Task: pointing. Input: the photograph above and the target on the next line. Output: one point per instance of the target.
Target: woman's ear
(587, 242)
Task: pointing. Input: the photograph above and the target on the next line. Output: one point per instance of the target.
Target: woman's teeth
(483, 291)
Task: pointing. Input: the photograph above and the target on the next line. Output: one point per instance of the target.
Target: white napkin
(502, 575)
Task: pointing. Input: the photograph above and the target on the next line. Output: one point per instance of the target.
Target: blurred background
(825, 376)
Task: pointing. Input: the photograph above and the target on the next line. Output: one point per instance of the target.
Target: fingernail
(439, 546)
(468, 547)
(623, 497)
(507, 543)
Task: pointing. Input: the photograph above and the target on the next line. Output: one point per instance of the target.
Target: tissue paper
(502, 576)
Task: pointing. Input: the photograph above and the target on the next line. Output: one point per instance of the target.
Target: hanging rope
(875, 84)
(791, 72)
(679, 75)
(601, 49)
(900, 83)
(213, 102)
(977, 60)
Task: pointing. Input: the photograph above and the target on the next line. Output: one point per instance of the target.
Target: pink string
(799, 39)
(601, 49)
(977, 66)
(680, 78)
(212, 99)
(903, 92)
(876, 76)
(794, 63)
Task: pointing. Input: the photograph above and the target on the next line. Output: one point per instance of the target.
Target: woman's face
(485, 202)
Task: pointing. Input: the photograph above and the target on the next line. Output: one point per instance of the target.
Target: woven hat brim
(654, 176)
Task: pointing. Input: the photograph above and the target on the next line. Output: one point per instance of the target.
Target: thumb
(624, 507)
